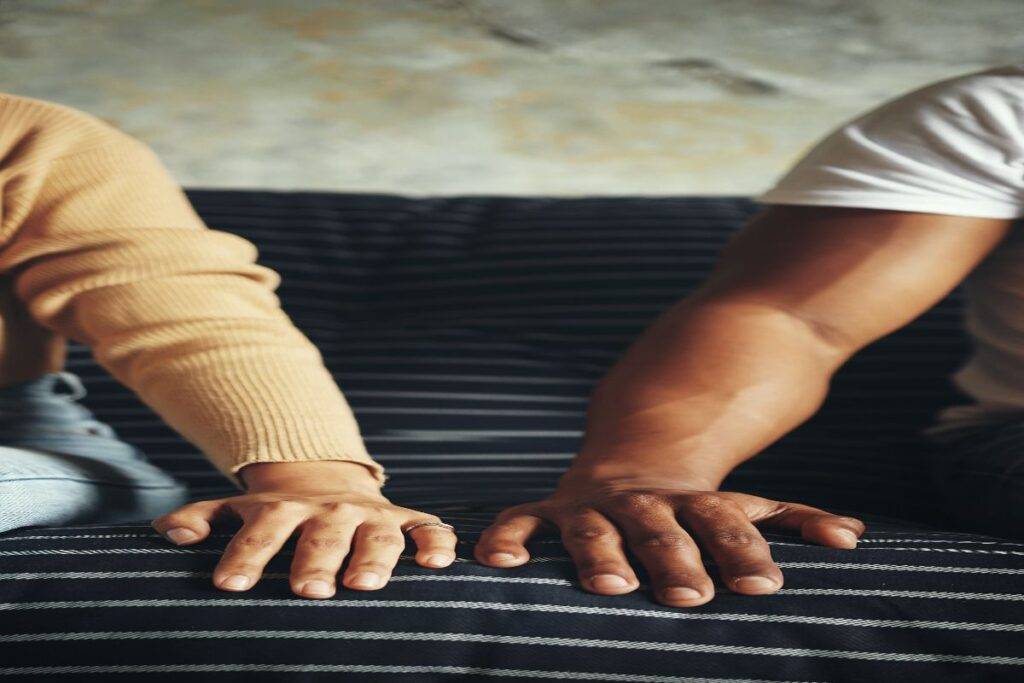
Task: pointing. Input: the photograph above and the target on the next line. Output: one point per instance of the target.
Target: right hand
(338, 510)
(655, 518)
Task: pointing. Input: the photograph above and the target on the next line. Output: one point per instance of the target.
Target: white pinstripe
(665, 613)
(937, 540)
(802, 592)
(536, 559)
(365, 668)
(407, 636)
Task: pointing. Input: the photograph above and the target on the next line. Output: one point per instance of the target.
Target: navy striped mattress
(467, 332)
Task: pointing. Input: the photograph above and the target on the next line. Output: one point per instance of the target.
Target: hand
(594, 516)
(333, 506)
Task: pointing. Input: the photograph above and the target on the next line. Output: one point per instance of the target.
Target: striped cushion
(466, 333)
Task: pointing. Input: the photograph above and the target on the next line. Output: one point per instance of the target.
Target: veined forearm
(711, 383)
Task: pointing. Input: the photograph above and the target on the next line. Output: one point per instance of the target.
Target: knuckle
(637, 502)
(591, 534)
(253, 541)
(705, 503)
(322, 526)
(386, 539)
(339, 508)
(665, 540)
(735, 538)
(324, 542)
(284, 507)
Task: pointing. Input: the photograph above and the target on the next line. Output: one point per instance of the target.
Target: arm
(749, 356)
(723, 374)
(103, 247)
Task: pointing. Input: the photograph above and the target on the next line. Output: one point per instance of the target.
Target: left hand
(598, 517)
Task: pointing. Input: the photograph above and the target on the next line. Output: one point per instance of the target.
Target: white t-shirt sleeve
(955, 147)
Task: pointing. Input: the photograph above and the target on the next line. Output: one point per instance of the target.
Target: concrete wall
(490, 96)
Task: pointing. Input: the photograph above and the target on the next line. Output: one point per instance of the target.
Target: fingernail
(754, 583)
(608, 581)
(849, 537)
(365, 580)
(438, 560)
(316, 589)
(181, 535)
(502, 557)
(681, 593)
(235, 583)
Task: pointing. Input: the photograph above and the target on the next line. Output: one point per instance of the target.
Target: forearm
(105, 249)
(711, 383)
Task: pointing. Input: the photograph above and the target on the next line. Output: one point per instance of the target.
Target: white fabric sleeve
(955, 147)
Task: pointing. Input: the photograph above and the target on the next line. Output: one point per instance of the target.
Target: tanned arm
(721, 375)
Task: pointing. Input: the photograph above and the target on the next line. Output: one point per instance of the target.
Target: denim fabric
(60, 465)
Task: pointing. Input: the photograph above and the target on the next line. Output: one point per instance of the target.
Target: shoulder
(988, 103)
(1004, 84)
(952, 147)
(36, 131)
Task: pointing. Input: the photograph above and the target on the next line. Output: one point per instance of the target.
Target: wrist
(659, 436)
(312, 476)
(652, 455)
(615, 472)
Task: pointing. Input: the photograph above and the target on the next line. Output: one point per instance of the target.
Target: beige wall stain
(375, 96)
(685, 135)
(319, 24)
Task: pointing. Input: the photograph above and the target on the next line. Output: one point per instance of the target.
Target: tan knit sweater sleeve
(105, 249)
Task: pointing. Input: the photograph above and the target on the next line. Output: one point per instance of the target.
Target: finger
(670, 556)
(818, 526)
(435, 545)
(319, 553)
(190, 523)
(503, 544)
(377, 549)
(743, 557)
(253, 546)
(596, 548)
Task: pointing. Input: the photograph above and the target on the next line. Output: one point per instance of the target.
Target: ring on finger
(409, 528)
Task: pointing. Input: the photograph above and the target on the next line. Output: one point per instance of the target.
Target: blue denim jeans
(59, 465)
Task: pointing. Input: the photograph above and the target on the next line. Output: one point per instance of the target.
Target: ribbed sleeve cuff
(257, 408)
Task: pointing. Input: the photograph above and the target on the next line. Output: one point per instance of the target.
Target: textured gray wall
(491, 96)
